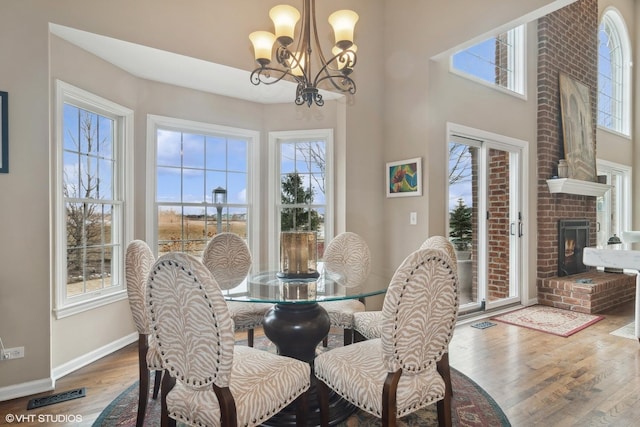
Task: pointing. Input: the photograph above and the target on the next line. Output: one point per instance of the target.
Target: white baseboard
(47, 384)
(84, 360)
(26, 389)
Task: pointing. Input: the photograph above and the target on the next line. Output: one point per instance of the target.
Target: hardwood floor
(589, 378)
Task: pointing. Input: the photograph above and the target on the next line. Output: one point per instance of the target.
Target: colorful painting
(404, 178)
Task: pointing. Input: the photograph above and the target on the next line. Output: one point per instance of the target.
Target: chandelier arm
(260, 74)
(346, 83)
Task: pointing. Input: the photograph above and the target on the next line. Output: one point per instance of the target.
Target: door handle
(511, 229)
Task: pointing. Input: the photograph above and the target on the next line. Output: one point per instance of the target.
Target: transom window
(498, 61)
(614, 82)
(90, 208)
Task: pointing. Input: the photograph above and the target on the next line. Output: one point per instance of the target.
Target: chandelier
(296, 62)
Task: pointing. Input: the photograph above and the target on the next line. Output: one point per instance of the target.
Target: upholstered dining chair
(347, 255)
(396, 374)
(138, 263)
(368, 324)
(228, 258)
(214, 382)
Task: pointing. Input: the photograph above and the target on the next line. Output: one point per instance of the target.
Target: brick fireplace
(567, 43)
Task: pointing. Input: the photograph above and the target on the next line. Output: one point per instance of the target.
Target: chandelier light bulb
(262, 46)
(343, 23)
(284, 19)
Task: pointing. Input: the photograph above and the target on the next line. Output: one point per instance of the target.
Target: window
(498, 61)
(91, 210)
(614, 81)
(191, 163)
(301, 185)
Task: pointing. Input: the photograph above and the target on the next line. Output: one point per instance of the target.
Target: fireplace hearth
(573, 237)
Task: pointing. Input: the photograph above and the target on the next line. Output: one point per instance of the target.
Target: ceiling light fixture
(296, 63)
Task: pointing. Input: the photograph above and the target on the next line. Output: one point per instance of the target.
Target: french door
(486, 216)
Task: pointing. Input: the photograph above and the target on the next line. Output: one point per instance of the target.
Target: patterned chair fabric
(347, 256)
(418, 317)
(138, 263)
(228, 258)
(194, 330)
(368, 324)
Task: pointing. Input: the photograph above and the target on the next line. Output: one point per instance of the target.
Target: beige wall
(403, 100)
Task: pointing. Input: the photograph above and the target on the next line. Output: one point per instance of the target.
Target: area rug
(471, 405)
(549, 319)
(627, 331)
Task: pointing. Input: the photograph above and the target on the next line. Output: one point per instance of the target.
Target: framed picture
(4, 132)
(404, 178)
(577, 129)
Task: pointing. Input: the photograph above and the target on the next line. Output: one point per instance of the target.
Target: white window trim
(618, 22)
(65, 92)
(517, 82)
(154, 123)
(276, 138)
(624, 205)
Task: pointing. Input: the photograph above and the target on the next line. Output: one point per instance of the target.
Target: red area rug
(471, 405)
(549, 319)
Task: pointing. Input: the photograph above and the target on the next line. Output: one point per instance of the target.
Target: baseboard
(84, 360)
(26, 389)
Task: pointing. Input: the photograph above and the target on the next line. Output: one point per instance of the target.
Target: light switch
(413, 218)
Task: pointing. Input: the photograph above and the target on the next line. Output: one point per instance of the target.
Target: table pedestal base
(296, 330)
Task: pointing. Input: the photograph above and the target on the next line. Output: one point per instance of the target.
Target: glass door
(485, 220)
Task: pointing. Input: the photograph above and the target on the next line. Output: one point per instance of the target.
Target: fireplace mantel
(576, 186)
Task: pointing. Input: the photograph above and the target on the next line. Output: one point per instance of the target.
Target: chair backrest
(228, 258)
(348, 255)
(441, 242)
(190, 321)
(138, 263)
(419, 312)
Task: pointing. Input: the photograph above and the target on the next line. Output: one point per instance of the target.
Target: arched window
(614, 82)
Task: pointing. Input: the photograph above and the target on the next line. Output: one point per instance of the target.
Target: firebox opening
(573, 237)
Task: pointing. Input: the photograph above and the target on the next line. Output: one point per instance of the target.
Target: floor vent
(483, 325)
(56, 398)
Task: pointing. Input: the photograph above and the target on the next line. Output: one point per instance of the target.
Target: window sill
(82, 306)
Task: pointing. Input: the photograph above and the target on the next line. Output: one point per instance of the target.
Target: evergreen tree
(460, 225)
(298, 218)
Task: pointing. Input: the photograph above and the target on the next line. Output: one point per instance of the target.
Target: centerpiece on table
(298, 265)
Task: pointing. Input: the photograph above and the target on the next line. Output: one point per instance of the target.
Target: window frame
(517, 87)
(619, 33)
(122, 187)
(276, 139)
(156, 122)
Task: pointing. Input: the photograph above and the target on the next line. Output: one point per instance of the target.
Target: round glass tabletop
(269, 288)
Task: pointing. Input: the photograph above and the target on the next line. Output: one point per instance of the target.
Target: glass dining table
(296, 323)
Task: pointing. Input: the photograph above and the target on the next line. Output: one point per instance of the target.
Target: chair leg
(348, 337)
(167, 384)
(444, 405)
(325, 341)
(156, 383)
(302, 405)
(143, 388)
(322, 391)
(444, 369)
(250, 337)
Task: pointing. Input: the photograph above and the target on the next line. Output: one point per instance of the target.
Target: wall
(567, 44)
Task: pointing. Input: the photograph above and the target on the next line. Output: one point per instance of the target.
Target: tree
(84, 219)
(460, 226)
(297, 218)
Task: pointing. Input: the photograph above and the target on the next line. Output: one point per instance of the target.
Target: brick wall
(568, 43)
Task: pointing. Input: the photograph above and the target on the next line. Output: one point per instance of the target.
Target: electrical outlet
(13, 353)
